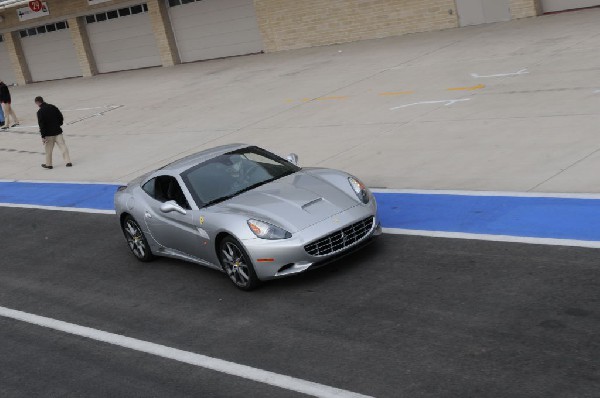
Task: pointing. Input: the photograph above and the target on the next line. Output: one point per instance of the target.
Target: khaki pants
(8, 112)
(60, 141)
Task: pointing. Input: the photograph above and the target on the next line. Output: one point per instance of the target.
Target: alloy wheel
(235, 264)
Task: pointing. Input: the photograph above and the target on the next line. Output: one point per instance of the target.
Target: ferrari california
(247, 212)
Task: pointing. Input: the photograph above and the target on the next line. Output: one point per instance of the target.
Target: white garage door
(476, 12)
(7, 74)
(214, 28)
(559, 5)
(122, 39)
(49, 52)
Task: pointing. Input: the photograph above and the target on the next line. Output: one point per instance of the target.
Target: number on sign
(35, 5)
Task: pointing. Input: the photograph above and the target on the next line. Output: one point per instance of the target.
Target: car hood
(294, 202)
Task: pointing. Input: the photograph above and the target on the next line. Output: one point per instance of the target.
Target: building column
(81, 42)
(17, 57)
(525, 8)
(163, 32)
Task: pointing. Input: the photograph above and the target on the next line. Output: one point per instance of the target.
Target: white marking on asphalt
(218, 365)
(491, 193)
(59, 208)
(597, 92)
(23, 127)
(445, 102)
(91, 108)
(517, 73)
(494, 238)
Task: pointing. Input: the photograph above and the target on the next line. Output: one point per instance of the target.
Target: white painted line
(495, 238)
(597, 92)
(23, 127)
(491, 193)
(445, 102)
(91, 108)
(218, 365)
(59, 208)
(517, 73)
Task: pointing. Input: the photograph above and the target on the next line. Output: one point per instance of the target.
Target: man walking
(50, 119)
(5, 102)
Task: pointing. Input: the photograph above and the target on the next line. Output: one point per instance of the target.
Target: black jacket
(4, 93)
(50, 119)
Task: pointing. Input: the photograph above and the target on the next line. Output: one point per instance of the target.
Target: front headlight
(359, 189)
(265, 230)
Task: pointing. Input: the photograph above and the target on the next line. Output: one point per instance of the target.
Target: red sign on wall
(35, 5)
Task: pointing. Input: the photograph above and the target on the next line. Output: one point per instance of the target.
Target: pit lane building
(57, 39)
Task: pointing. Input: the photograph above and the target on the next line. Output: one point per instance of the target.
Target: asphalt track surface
(405, 317)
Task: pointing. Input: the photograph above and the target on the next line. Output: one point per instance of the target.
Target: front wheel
(237, 264)
(136, 240)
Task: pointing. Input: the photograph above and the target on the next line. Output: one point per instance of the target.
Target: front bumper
(279, 258)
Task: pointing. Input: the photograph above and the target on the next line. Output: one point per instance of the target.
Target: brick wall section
(81, 42)
(17, 57)
(525, 8)
(289, 24)
(163, 32)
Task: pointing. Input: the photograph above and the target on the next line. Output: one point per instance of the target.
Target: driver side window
(165, 188)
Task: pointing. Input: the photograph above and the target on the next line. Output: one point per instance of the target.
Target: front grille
(339, 240)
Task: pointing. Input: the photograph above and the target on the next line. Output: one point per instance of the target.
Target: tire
(136, 240)
(236, 264)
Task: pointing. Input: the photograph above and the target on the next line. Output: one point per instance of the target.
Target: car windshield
(233, 173)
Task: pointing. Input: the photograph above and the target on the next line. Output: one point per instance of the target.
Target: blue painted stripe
(536, 217)
(81, 196)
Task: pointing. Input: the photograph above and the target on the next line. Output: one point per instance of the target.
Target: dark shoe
(15, 125)
(47, 167)
(5, 128)
(69, 164)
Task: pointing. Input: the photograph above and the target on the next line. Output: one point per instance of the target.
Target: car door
(174, 231)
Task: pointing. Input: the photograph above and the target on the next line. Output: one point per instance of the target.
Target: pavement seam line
(565, 169)
(215, 364)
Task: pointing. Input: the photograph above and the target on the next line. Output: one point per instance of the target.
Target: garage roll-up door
(7, 74)
(49, 52)
(559, 5)
(122, 39)
(476, 12)
(214, 28)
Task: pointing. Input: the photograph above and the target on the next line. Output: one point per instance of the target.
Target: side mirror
(292, 158)
(170, 206)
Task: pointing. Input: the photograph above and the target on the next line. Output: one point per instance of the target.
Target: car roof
(180, 165)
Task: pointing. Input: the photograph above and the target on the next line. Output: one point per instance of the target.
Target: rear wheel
(237, 264)
(136, 240)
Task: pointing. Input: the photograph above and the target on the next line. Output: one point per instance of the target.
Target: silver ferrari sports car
(247, 212)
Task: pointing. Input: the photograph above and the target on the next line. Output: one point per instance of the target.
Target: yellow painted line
(477, 87)
(393, 93)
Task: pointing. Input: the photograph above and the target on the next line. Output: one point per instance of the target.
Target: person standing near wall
(5, 102)
(50, 119)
